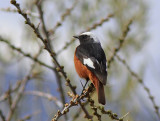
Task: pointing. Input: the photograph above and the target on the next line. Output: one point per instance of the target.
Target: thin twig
(39, 6)
(15, 11)
(27, 117)
(58, 79)
(94, 108)
(46, 95)
(63, 16)
(140, 80)
(21, 89)
(25, 54)
(6, 94)
(18, 96)
(94, 26)
(112, 115)
(121, 41)
(2, 116)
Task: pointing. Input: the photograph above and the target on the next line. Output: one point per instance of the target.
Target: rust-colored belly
(80, 68)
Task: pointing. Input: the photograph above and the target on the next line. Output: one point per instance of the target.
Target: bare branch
(45, 95)
(25, 54)
(59, 81)
(2, 116)
(15, 11)
(18, 96)
(63, 16)
(112, 115)
(121, 41)
(27, 117)
(21, 89)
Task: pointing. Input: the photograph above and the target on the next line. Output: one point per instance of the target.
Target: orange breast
(80, 68)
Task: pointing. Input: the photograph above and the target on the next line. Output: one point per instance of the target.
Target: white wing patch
(88, 62)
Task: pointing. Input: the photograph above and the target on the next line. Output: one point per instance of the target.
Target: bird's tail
(100, 92)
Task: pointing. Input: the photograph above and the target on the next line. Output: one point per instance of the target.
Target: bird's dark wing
(93, 57)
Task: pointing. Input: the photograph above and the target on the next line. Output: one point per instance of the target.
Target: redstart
(90, 62)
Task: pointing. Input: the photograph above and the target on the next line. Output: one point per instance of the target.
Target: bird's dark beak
(77, 37)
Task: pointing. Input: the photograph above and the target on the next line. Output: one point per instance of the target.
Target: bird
(90, 62)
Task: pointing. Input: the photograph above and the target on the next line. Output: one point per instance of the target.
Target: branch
(25, 54)
(18, 96)
(63, 16)
(21, 90)
(9, 91)
(15, 11)
(2, 116)
(59, 81)
(52, 54)
(121, 41)
(39, 6)
(74, 102)
(94, 108)
(94, 26)
(112, 115)
(45, 95)
(151, 97)
(28, 117)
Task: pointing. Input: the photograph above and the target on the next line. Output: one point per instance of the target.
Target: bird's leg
(84, 85)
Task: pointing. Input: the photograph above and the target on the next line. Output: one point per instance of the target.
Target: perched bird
(90, 62)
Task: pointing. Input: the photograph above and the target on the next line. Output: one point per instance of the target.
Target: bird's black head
(87, 37)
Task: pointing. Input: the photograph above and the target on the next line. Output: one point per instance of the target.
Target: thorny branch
(151, 97)
(47, 47)
(94, 26)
